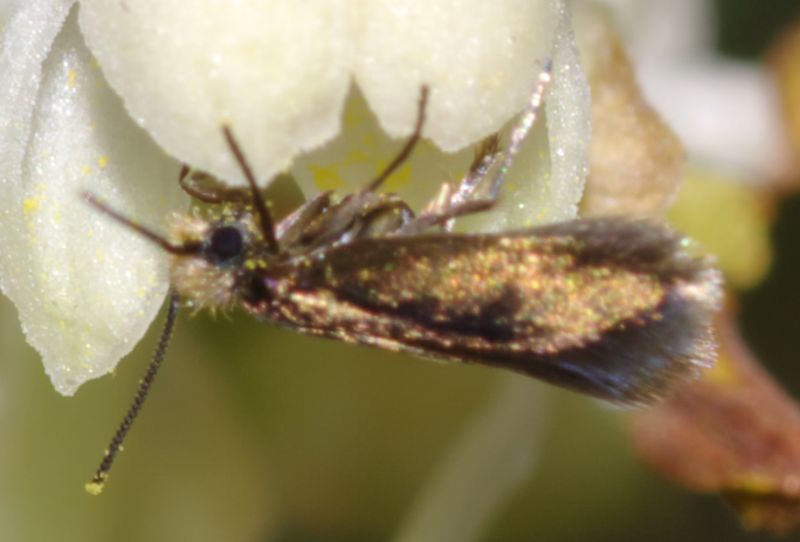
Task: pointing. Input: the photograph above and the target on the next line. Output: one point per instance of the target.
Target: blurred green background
(256, 434)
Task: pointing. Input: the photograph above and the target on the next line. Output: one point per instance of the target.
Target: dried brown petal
(735, 432)
(636, 161)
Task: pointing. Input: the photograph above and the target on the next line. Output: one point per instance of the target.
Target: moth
(615, 308)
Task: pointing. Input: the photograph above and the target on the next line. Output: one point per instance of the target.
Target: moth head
(210, 254)
(227, 247)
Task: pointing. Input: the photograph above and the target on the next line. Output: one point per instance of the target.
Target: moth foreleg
(205, 187)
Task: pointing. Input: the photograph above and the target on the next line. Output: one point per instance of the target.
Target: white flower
(280, 73)
(725, 111)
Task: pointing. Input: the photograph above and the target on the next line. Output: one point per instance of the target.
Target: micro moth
(615, 308)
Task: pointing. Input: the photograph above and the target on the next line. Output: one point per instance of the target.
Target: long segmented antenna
(265, 217)
(146, 232)
(95, 487)
(409, 146)
(523, 126)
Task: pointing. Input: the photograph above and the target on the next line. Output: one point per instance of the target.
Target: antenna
(267, 225)
(95, 487)
(190, 248)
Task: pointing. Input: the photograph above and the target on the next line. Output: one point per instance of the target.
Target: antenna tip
(95, 487)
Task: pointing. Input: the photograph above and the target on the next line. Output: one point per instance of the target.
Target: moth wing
(614, 308)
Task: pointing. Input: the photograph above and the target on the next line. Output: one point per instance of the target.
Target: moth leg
(486, 155)
(388, 216)
(448, 199)
(444, 218)
(405, 152)
(339, 222)
(466, 200)
(292, 227)
(204, 187)
(521, 129)
(441, 201)
(489, 152)
(191, 180)
(451, 202)
(376, 215)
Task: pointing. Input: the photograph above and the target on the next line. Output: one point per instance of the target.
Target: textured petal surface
(547, 179)
(480, 60)
(276, 71)
(85, 289)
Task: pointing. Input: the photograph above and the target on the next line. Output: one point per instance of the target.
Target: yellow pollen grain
(31, 205)
(86, 169)
(94, 488)
(72, 76)
(102, 162)
(327, 177)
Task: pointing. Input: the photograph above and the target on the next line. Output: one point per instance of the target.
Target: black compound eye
(226, 243)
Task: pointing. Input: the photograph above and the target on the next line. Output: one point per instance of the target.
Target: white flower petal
(659, 31)
(544, 185)
(725, 112)
(276, 71)
(24, 44)
(479, 58)
(86, 290)
(7, 8)
(568, 109)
